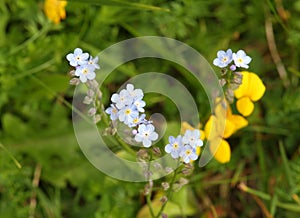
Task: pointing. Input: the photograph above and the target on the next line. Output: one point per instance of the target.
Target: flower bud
(74, 81)
(163, 199)
(165, 185)
(92, 111)
(156, 151)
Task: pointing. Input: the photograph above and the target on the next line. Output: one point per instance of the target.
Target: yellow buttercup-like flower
(251, 89)
(216, 136)
(55, 10)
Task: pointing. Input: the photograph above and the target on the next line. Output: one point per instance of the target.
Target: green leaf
(119, 3)
(13, 126)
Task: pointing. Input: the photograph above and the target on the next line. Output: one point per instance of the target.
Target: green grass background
(35, 115)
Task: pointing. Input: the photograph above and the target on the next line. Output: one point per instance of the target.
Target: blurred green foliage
(35, 111)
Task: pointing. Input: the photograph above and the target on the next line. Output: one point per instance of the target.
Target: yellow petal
(210, 128)
(239, 121)
(186, 126)
(55, 10)
(220, 150)
(202, 135)
(245, 106)
(229, 129)
(252, 87)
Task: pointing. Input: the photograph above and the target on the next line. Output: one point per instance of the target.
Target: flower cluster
(128, 107)
(84, 63)
(230, 78)
(185, 147)
(240, 59)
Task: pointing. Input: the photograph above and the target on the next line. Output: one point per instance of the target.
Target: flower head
(77, 58)
(252, 89)
(94, 62)
(121, 100)
(134, 93)
(223, 58)
(55, 10)
(216, 135)
(113, 112)
(127, 114)
(140, 104)
(146, 135)
(241, 59)
(138, 120)
(175, 146)
(188, 154)
(85, 72)
(192, 138)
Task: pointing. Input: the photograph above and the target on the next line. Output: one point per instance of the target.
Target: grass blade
(119, 3)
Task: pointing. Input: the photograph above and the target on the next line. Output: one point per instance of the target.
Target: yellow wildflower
(55, 10)
(251, 89)
(216, 136)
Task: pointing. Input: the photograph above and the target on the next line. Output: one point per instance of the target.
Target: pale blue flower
(192, 138)
(134, 93)
(77, 58)
(223, 58)
(138, 120)
(121, 100)
(94, 62)
(85, 72)
(241, 59)
(127, 114)
(188, 153)
(140, 104)
(146, 134)
(113, 112)
(175, 146)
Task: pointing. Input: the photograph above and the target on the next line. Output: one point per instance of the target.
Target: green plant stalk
(148, 196)
(287, 169)
(11, 156)
(262, 161)
(169, 192)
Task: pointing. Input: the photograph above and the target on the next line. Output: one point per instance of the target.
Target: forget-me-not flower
(134, 93)
(188, 153)
(140, 104)
(77, 58)
(121, 100)
(223, 58)
(127, 114)
(94, 62)
(146, 135)
(113, 112)
(174, 147)
(192, 138)
(241, 59)
(138, 120)
(85, 72)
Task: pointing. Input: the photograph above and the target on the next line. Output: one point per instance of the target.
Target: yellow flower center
(127, 112)
(188, 152)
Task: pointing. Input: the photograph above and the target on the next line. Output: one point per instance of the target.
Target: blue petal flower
(223, 58)
(241, 59)
(77, 58)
